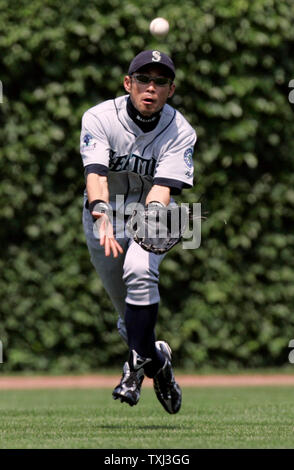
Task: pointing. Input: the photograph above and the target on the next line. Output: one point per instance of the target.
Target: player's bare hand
(106, 235)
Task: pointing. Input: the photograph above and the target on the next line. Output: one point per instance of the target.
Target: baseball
(159, 27)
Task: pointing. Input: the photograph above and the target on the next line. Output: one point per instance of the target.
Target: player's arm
(97, 190)
(160, 194)
(175, 168)
(97, 187)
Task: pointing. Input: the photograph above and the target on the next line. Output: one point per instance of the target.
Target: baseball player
(135, 149)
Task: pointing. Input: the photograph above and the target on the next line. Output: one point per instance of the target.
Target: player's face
(148, 98)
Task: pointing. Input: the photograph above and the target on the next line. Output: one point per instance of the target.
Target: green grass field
(255, 417)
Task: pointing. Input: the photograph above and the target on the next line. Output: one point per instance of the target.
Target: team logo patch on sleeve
(88, 142)
(188, 157)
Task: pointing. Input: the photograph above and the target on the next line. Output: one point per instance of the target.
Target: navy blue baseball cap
(152, 57)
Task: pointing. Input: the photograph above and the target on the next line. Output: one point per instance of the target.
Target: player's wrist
(101, 206)
(155, 204)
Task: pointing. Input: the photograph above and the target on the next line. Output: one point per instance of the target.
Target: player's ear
(171, 90)
(128, 83)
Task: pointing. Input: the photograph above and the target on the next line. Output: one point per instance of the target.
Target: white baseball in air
(159, 27)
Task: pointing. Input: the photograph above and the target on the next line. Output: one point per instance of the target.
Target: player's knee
(138, 273)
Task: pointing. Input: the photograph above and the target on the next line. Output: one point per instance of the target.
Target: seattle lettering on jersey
(133, 163)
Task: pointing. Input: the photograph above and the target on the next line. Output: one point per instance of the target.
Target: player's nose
(151, 85)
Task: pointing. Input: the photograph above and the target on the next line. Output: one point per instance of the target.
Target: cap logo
(156, 57)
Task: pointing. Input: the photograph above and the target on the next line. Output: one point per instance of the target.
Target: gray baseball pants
(132, 277)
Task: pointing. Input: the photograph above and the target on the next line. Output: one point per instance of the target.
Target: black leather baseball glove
(157, 228)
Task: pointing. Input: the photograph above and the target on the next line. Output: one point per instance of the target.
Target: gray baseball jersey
(113, 145)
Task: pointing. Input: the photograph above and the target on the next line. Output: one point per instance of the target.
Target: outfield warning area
(100, 381)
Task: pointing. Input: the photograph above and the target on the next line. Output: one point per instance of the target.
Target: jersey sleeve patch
(94, 144)
(188, 154)
(88, 142)
(176, 159)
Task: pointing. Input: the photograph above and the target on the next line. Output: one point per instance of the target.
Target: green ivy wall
(228, 304)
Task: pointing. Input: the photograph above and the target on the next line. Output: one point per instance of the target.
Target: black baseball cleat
(166, 388)
(129, 388)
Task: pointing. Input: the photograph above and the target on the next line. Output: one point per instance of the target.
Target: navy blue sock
(140, 323)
